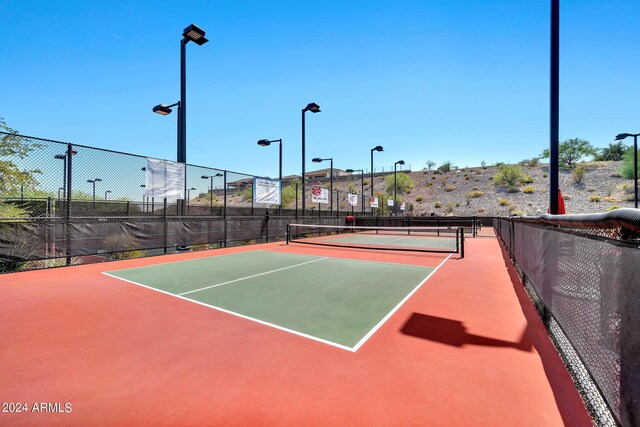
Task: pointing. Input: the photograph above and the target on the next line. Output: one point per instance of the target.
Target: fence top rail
(626, 218)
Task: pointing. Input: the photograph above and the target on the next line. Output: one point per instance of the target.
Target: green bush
(289, 192)
(613, 208)
(509, 176)
(475, 194)
(578, 174)
(528, 190)
(503, 202)
(437, 205)
(627, 166)
(247, 194)
(450, 188)
(527, 179)
(594, 198)
(419, 199)
(403, 183)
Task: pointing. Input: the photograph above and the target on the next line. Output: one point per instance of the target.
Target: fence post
(164, 220)
(337, 203)
(128, 210)
(296, 200)
(68, 207)
(224, 213)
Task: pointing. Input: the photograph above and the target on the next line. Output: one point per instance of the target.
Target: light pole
(59, 192)
(395, 186)
(189, 194)
(105, 194)
(210, 177)
(620, 137)
(376, 148)
(63, 157)
(266, 143)
(361, 184)
(314, 108)
(93, 182)
(320, 160)
(143, 197)
(195, 34)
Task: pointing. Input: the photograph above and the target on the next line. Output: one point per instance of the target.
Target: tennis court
(334, 300)
(277, 334)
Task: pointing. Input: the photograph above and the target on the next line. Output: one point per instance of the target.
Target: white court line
(233, 313)
(396, 308)
(254, 275)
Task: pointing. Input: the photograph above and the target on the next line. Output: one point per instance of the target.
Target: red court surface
(466, 349)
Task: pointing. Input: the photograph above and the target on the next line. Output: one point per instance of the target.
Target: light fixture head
(192, 188)
(400, 162)
(316, 160)
(218, 174)
(264, 143)
(377, 148)
(622, 136)
(97, 179)
(349, 170)
(205, 177)
(60, 156)
(108, 191)
(90, 181)
(142, 185)
(162, 109)
(195, 34)
(313, 107)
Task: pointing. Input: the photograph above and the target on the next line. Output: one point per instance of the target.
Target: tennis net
(421, 239)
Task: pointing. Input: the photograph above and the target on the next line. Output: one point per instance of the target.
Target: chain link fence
(581, 274)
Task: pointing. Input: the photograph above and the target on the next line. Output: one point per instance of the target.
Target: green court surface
(336, 300)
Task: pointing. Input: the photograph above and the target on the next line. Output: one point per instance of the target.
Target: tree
(615, 152)
(446, 166)
(14, 147)
(402, 184)
(430, 164)
(572, 151)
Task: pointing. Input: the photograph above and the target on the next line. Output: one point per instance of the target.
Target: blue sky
(464, 81)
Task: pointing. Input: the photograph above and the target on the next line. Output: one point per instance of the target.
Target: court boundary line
(243, 316)
(252, 276)
(190, 259)
(393, 311)
(353, 349)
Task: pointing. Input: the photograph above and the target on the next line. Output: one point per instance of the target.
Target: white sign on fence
(352, 199)
(164, 179)
(319, 195)
(373, 201)
(266, 191)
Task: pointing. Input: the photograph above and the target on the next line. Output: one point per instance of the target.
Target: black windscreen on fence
(588, 284)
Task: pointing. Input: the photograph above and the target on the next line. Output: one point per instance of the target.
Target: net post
(289, 228)
(296, 200)
(461, 242)
(67, 214)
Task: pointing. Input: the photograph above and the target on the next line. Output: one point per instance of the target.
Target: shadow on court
(453, 332)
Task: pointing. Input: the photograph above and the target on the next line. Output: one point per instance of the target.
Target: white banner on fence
(352, 199)
(402, 206)
(319, 195)
(164, 179)
(266, 191)
(373, 201)
(390, 202)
